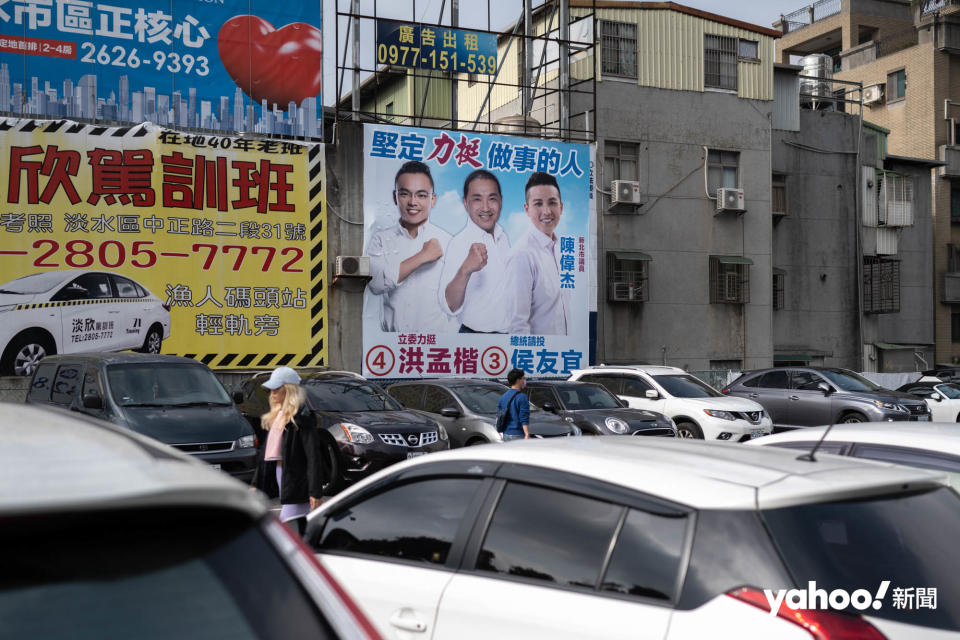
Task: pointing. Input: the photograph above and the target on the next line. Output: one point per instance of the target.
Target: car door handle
(407, 620)
(753, 395)
(794, 397)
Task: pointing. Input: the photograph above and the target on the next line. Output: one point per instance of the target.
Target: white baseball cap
(280, 377)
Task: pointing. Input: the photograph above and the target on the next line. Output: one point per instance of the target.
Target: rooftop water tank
(816, 87)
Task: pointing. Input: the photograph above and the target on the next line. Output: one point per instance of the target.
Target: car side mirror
(936, 396)
(621, 402)
(92, 400)
(823, 386)
(238, 397)
(549, 406)
(653, 394)
(450, 412)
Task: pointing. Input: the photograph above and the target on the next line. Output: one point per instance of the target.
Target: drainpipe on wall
(858, 226)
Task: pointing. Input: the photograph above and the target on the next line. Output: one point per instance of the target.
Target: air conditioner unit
(625, 292)
(625, 192)
(352, 267)
(730, 199)
(873, 94)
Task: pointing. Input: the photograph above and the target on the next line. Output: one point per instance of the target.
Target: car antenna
(809, 456)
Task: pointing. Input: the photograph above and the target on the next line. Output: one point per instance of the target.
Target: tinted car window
(805, 380)
(539, 396)
(65, 384)
(686, 386)
(908, 456)
(161, 573)
(91, 382)
(480, 398)
(348, 395)
(908, 538)
(848, 380)
(416, 521)
(635, 387)
(774, 380)
(951, 391)
(436, 398)
(158, 384)
(126, 288)
(42, 383)
(409, 395)
(612, 383)
(587, 397)
(646, 560)
(749, 382)
(88, 286)
(548, 535)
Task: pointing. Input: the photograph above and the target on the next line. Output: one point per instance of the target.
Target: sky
(474, 14)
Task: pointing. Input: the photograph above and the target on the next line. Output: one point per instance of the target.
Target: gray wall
(678, 227)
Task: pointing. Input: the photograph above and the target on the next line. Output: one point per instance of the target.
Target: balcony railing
(810, 14)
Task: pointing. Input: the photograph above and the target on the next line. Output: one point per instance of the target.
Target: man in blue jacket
(516, 407)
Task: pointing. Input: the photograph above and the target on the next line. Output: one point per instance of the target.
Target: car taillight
(337, 605)
(725, 391)
(821, 625)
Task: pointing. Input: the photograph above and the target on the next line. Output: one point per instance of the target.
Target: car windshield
(164, 384)
(587, 396)
(908, 539)
(157, 573)
(36, 283)
(349, 395)
(950, 391)
(686, 386)
(479, 398)
(848, 380)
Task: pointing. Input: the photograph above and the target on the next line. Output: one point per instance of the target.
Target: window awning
(779, 272)
(732, 260)
(631, 255)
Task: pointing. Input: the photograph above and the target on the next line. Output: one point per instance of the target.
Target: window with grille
(618, 48)
(620, 162)
(881, 285)
(627, 276)
(720, 62)
(896, 85)
(723, 170)
(953, 258)
(895, 199)
(748, 49)
(778, 196)
(729, 280)
(955, 203)
(779, 279)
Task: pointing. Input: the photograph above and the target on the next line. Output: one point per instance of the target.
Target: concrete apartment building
(904, 53)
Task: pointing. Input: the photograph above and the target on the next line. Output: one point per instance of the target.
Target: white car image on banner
(73, 312)
(480, 252)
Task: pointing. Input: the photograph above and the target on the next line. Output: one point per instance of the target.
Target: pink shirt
(273, 449)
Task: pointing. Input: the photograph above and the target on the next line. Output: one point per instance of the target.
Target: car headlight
(616, 425)
(722, 415)
(356, 434)
(441, 432)
(247, 442)
(889, 406)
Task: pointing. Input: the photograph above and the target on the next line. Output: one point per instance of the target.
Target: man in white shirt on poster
(475, 260)
(405, 263)
(538, 304)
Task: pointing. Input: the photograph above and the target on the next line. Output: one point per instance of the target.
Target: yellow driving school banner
(144, 238)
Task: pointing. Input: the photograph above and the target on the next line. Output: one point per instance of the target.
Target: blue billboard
(230, 65)
(418, 46)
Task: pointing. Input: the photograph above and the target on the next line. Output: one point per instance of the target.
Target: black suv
(595, 410)
(365, 429)
(175, 400)
(811, 396)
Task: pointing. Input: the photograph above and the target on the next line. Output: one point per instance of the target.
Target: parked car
(113, 535)
(810, 396)
(468, 409)
(934, 446)
(942, 398)
(177, 401)
(698, 410)
(76, 311)
(640, 538)
(945, 372)
(364, 428)
(596, 411)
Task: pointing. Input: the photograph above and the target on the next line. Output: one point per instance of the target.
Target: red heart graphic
(276, 65)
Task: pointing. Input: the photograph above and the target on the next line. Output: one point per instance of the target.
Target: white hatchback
(641, 539)
(76, 312)
(699, 410)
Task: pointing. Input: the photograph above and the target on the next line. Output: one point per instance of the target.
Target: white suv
(699, 410)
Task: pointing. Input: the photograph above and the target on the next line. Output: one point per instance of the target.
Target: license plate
(923, 418)
(414, 454)
(756, 433)
(215, 466)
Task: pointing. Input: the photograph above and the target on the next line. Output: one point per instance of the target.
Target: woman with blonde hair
(293, 443)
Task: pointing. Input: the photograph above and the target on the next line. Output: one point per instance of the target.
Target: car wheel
(331, 462)
(475, 441)
(686, 429)
(154, 339)
(853, 418)
(24, 352)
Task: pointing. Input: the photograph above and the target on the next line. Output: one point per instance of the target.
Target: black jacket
(303, 473)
